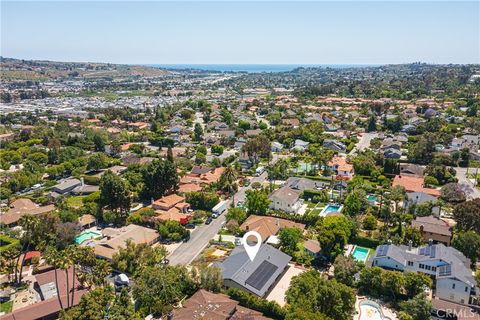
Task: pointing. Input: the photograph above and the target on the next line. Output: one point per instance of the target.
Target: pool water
(372, 198)
(360, 254)
(331, 208)
(87, 235)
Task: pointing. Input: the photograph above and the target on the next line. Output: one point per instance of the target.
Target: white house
(449, 267)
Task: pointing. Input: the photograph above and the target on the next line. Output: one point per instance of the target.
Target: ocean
(253, 68)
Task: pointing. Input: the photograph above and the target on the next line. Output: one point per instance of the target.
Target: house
(340, 167)
(172, 207)
(268, 226)
(286, 199)
(408, 169)
(292, 122)
(434, 228)
(87, 221)
(65, 186)
(20, 208)
(276, 146)
(257, 276)
(449, 310)
(245, 161)
(448, 266)
(421, 198)
(253, 132)
(207, 305)
(84, 189)
(47, 305)
(313, 249)
(138, 125)
(392, 153)
(414, 184)
(200, 176)
(116, 238)
(300, 145)
(334, 145)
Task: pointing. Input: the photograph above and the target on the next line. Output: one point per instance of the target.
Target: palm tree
(75, 254)
(228, 181)
(53, 258)
(101, 269)
(28, 223)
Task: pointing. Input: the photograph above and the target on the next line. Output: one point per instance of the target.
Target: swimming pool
(360, 254)
(330, 208)
(87, 235)
(372, 198)
(370, 310)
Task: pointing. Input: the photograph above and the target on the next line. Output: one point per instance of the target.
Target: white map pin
(252, 250)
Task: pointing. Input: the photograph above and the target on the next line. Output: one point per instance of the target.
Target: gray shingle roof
(238, 268)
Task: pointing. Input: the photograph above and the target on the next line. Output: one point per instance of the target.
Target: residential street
(466, 184)
(200, 237)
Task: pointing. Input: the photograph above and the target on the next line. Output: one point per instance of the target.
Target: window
(428, 267)
(410, 263)
(453, 286)
(421, 266)
(434, 268)
(466, 289)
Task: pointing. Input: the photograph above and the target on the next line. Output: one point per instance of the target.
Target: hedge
(366, 242)
(268, 308)
(7, 242)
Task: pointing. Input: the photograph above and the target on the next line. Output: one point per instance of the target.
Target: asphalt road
(201, 236)
(467, 185)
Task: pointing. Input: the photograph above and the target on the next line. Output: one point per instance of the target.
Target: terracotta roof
(86, 219)
(168, 201)
(189, 187)
(268, 226)
(23, 207)
(214, 306)
(312, 246)
(341, 163)
(172, 214)
(414, 184)
(118, 238)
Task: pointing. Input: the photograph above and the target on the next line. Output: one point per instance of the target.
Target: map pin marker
(252, 250)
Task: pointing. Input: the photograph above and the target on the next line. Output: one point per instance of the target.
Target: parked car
(238, 242)
(190, 226)
(209, 220)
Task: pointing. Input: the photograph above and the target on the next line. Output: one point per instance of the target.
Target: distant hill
(39, 70)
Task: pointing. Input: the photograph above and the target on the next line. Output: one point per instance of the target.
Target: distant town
(126, 191)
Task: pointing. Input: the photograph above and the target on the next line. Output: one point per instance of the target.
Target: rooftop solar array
(428, 251)
(261, 275)
(382, 250)
(445, 270)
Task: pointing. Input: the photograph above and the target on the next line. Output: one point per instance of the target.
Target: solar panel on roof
(261, 275)
(445, 270)
(382, 250)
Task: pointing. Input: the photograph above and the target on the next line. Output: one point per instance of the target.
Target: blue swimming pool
(360, 254)
(330, 208)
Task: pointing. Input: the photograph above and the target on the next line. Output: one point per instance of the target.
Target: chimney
(430, 242)
(410, 243)
(151, 200)
(389, 241)
(82, 182)
(170, 316)
(277, 222)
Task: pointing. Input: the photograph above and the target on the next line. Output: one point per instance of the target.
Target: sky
(255, 32)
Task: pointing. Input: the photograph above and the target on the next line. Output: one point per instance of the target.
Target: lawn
(6, 306)
(75, 202)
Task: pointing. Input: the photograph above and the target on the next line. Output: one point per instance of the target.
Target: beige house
(434, 228)
(116, 238)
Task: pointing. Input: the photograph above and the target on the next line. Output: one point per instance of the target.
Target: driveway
(364, 142)
(467, 184)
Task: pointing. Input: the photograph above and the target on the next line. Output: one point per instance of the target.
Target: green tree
(157, 289)
(333, 234)
(412, 234)
(114, 196)
(237, 214)
(97, 161)
(208, 278)
(416, 282)
(467, 215)
(418, 308)
(311, 292)
(345, 267)
(469, 244)
(160, 178)
(354, 202)
(289, 238)
(99, 143)
(369, 222)
(133, 258)
(257, 202)
(202, 200)
(198, 132)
